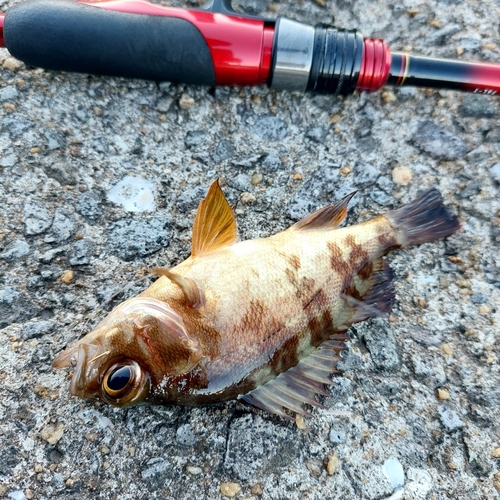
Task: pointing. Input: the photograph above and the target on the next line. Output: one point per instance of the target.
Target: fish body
(263, 321)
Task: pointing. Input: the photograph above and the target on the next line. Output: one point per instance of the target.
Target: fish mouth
(85, 381)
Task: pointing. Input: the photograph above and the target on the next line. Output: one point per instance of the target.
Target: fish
(262, 321)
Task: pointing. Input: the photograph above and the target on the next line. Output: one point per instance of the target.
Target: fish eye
(125, 383)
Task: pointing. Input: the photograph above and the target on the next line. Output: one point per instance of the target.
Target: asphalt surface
(420, 387)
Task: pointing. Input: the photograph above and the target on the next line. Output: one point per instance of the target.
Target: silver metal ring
(293, 55)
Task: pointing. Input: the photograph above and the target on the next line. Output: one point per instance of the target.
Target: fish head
(142, 343)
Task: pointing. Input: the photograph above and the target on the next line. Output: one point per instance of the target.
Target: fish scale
(263, 321)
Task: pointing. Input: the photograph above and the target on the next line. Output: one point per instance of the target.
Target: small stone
(35, 329)
(194, 471)
(413, 11)
(67, 276)
(15, 250)
(332, 463)
(247, 198)
(402, 176)
(496, 484)
(81, 252)
(335, 118)
(224, 151)
(271, 163)
(299, 422)
(443, 394)
(256, 489)
(63, 227)
(297, 177)
(9, 107)
(106, 465)
(489, 46)
(131, 451)
(37, 219)
(89, 205)
(29, 494)
(12, 64)
(8, 93)
(438, 142)
(34, 151)
(314, 467)
(316, 134)
(495, 172)
(52, 433)
(186, 101)
(435, 23)
(69, 482)
(447, 349)
(345, 171)
(38, 468)
(195, 138)
(104, 449)
(230, 490)
(388, 96)
(495, 453)
(450, 420)
(484, 310)
(460, 50)
(256, 179)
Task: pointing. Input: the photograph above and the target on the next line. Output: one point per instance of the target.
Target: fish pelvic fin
(423, 220)
(328, 217)
(192, 293)
(300, 385)
(214, 225)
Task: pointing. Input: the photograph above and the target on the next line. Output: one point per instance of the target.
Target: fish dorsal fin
(214, 225)
(328, 217)
(300, 384)
(192, 292)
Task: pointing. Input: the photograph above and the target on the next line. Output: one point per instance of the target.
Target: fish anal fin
(192, 293)
(328, 217)
(214, 225)
(371, 293)
(300, 384)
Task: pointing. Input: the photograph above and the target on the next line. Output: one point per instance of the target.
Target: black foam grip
(68, 36)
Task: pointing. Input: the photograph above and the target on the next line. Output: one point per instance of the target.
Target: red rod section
(240, 47)
(375, 65)
(2, 41)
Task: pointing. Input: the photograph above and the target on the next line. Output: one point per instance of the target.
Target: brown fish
(262, 321)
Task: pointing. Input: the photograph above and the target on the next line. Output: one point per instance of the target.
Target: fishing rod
(217, 46)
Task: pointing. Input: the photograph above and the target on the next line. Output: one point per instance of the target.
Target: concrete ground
(421, 386)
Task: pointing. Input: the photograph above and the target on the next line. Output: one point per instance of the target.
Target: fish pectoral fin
(192, 293)
(299, 385)
(328, 217)
(214, 225)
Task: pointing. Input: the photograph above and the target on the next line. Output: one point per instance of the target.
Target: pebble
(89, 205)
(130, 238)
(37, 218)
(15, 250)
(439, 142)
(314, 467)
(443, 394)
(449, 419)
(447, 349)
(256, 179)
(224, 151)
(186, 101)
(495, 453)
(476, 106)
(81, 253)
(52, 433)
(388, 96)
(8, 93)
(18, 495)
(269, 128)
(12, 64)
(402, 176)
(195, 138)
(35, 329)
(300, 422)
(247, 198)
(271, 163)
(63, 227)
(62, 173)
(332, 463)
(230, 490)
(317, 134)
(194, 471)
(256, 489)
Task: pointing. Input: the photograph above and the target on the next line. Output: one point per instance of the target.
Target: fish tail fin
(424, 219)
